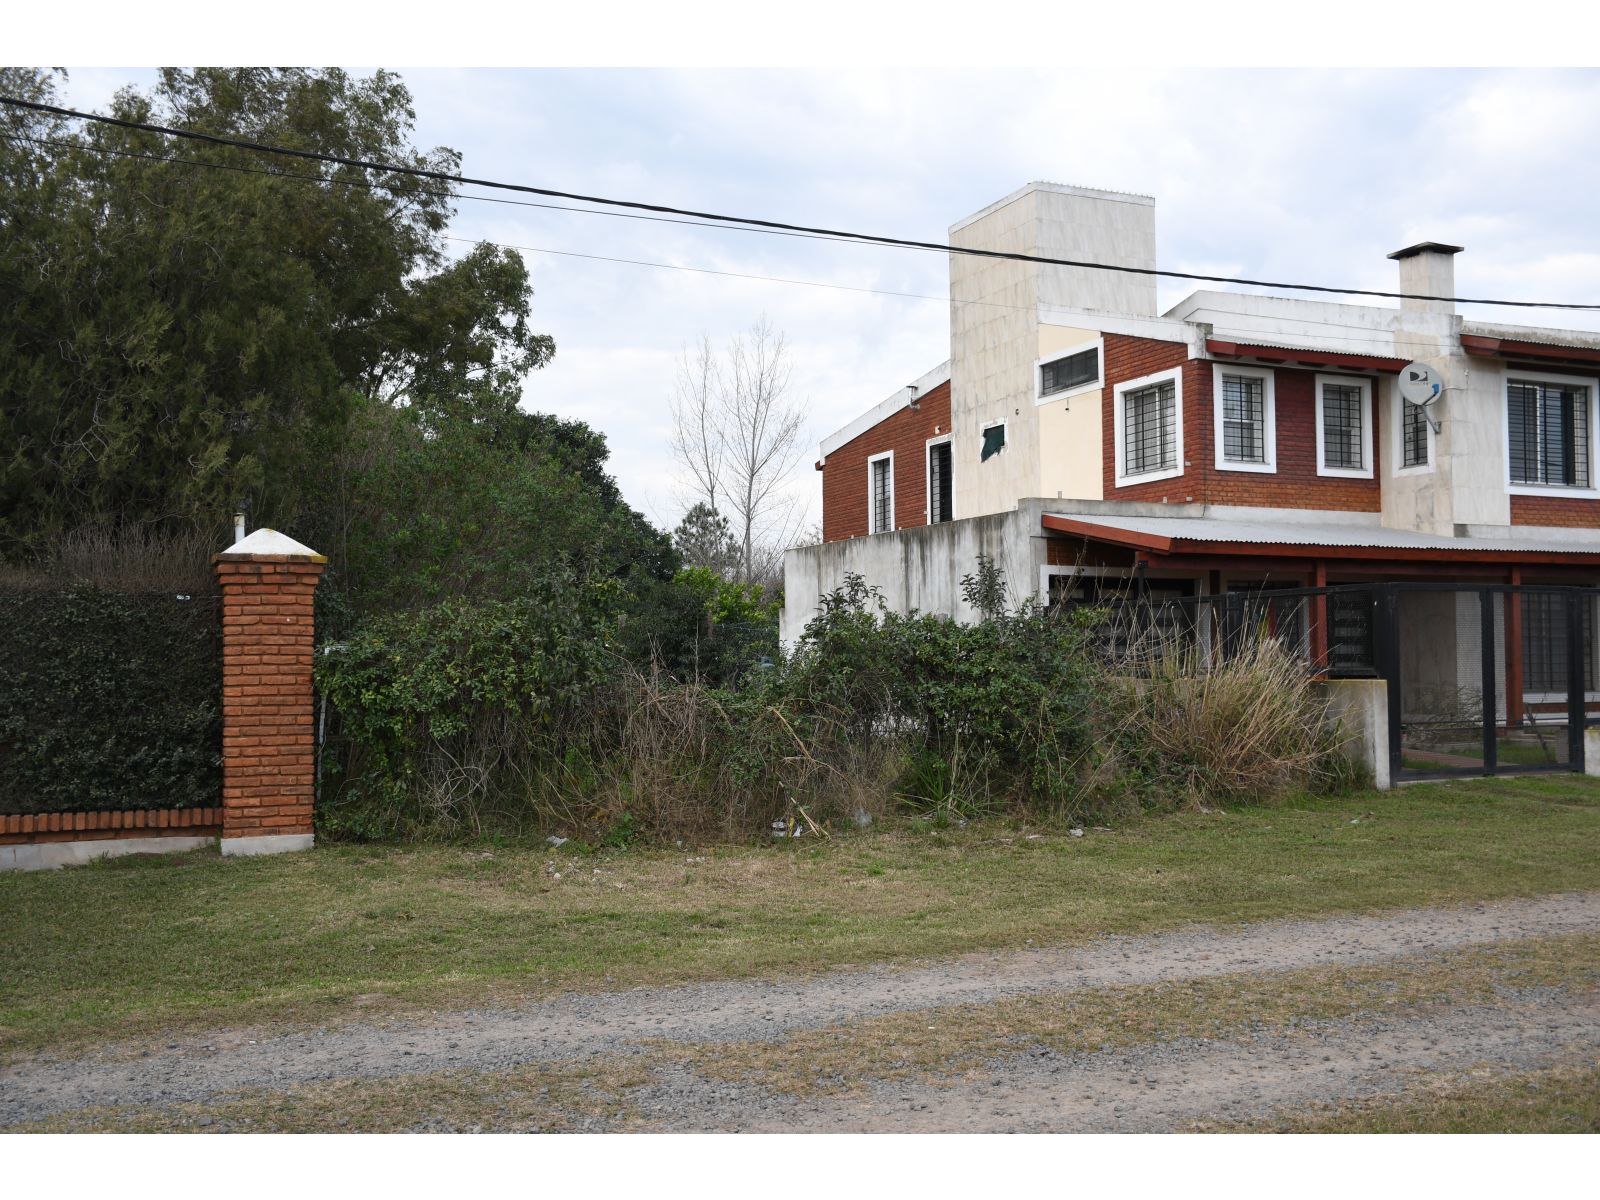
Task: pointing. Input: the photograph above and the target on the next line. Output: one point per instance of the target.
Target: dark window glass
(939, 491)
(1547, 426)
(1544, 642)
(1150, 429)
(994, 440)
(1244, 419)
(1414, 431)
(882, 493)
(1341, 426)
(1075, 370)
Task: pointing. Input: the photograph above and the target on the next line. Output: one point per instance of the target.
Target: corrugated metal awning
(1304, 539)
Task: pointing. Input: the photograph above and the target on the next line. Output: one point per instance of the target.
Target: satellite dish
(1420, 383)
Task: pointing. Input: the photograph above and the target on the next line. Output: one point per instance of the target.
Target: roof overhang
(1161, 539)
(1482, 346)
(1299, 357)
(883, 410)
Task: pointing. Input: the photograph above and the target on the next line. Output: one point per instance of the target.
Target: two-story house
(1081, 438)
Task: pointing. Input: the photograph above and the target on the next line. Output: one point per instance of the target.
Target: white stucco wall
(918, 568)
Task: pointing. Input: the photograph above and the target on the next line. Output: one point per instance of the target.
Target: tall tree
(180, 337)
(704, 539)
(736, 430)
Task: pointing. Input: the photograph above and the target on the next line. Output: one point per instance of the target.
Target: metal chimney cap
(1427, 248)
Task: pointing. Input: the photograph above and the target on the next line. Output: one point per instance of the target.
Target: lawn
(140, 947)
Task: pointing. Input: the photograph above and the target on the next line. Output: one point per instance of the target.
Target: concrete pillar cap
(270, 541)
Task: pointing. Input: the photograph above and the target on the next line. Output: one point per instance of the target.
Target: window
(1148, 417)
(994, 441)
(880, 492)
(1344, 426)
(1075, 370)
(1246, 434)
(941, 507)
(1544, 643)
(1548, 432)
(1414, 430)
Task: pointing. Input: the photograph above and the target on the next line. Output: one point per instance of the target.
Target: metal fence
(1481, 678)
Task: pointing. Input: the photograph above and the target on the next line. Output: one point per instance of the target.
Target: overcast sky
(1309, 175)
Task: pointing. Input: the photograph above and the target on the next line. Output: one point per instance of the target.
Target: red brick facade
(844, 474)
(268, 753)
(1295, 483)
(1555, 510)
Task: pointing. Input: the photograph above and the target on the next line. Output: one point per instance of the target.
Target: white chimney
(1428, 269)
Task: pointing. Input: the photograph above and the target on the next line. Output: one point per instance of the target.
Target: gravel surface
(584, 1025)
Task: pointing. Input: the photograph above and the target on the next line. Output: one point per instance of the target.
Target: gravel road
(1145, 1087)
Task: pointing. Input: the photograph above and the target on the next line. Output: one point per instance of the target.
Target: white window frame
(871, 507)
(1592, 492)
(927, 477)
(1364, 382)
(1269, 417)
(1005, 442)
(1399, 403)
(1117, 431)
(1098, 345)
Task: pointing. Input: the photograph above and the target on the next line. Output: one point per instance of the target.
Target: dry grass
(123, 558)
(1487, 1100)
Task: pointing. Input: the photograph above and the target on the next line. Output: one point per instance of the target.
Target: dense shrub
(108, 700)
(534, 714)
(448, 715)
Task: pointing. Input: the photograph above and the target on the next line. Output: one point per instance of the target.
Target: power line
(756, 223)
(166, 160)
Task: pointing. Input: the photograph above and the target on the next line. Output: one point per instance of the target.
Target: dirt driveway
(1208, 1025)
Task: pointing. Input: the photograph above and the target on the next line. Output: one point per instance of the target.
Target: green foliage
(179, 338)
(447, 709)
(704, 538)
(108, 701)
(700, 625)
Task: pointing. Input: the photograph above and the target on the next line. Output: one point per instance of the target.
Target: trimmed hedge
(109, 701)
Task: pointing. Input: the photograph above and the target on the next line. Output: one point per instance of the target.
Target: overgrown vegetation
(524, 715)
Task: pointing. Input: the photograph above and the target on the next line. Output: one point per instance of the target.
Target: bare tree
(737, 434)
(697, 421)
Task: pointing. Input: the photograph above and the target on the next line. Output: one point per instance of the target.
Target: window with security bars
(1548, 431)
(1074, 370)
(940, 508)
(1342, 426)
(1413, 435)
(1545, 652)
(1244, 418)
(1150, 429)
(882, 494)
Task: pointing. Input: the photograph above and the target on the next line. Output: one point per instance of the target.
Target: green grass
(140, 947)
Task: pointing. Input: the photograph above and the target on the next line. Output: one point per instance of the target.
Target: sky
(1304, 175)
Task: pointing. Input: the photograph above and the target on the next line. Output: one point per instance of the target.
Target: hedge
(109, 701)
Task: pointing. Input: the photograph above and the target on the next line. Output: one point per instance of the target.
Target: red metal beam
(1334, 359)
(1108, 533)
(1493, 347)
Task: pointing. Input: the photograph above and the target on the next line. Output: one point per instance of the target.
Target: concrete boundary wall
(269, 583)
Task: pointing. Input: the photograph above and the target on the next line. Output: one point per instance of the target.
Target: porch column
(1514, 653)
(268, 749)
(1319, 619)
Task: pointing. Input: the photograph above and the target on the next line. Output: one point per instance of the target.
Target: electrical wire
(761, 224)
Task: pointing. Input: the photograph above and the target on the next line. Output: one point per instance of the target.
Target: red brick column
(268, 748)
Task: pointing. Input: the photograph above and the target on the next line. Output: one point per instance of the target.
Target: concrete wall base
(46, 856)
(276, 843)
(1359, 710)
(1591, 751)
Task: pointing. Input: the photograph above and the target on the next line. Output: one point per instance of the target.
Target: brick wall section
(1555, 510)
(844, 474)
(268, 753)
(1295, 484)
(32, 828)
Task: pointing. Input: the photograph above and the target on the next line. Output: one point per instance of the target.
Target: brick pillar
(268, 747)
